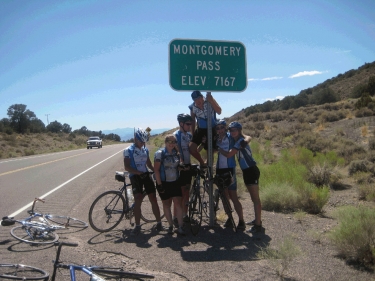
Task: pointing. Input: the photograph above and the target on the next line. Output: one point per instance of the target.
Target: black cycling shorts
(171, 189)
(251, 175)
(185, 177)
(138, 184)
(199, 134)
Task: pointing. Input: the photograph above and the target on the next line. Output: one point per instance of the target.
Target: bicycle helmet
(141, 135)
(184, 118)
(235, 124)
(196, 94)
(221, 122)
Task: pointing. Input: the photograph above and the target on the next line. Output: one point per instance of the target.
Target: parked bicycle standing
(198, 112)
(166, 164)
(183, 137)
(226, 165)
(136, 162)
(250, 172)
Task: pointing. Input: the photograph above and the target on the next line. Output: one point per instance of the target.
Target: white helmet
(141, 135)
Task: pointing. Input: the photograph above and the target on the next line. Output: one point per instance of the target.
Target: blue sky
(104, 64)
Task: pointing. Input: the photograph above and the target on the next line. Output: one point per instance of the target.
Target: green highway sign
(209, 66)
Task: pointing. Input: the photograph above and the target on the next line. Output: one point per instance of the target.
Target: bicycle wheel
(228, 210)
(22, 272)
(146, 210)
(34, 234)
(107, 211)
(66, 221)
(119, 273)
(195, 213)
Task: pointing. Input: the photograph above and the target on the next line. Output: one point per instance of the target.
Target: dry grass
(17, 145)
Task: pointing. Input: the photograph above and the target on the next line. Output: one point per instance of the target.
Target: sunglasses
(233, 130)
(220, 127)
(171, 141)
(189, 124)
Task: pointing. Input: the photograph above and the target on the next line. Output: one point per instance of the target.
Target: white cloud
(277, 98)
(305, 73)
(272, 78)
(265, 79)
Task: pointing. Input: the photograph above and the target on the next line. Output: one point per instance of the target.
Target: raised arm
(213, 103)
(192, 122)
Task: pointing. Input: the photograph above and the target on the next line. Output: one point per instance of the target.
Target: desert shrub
(282, 256)
(350, 150)
(362, 177)
(312, 141)
(259, 125)
(363, 112)
(367, 192)
(360, 166)
(371, 156)
(354, 237)
(371, 143)
(319, 175)
(313, 199)
(29, 152)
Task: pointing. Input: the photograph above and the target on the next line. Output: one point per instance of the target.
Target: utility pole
(47, 118)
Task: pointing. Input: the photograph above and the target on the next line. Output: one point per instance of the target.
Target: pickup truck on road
(94, 142)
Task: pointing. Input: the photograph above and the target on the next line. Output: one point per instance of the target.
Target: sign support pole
(210, 162)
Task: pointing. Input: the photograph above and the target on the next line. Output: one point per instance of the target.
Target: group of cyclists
(172, 172)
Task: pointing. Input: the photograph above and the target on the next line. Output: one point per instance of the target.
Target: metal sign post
(210, 162)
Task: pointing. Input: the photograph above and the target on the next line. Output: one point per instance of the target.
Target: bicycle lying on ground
(40, 228)
(109, 208)
(96, 273)
(199, 202)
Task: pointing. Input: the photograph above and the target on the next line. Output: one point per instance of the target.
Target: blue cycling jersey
(168, 164)
(183, 140)
(201, 115)
(138, 157)
(226, 143)
(244, 155)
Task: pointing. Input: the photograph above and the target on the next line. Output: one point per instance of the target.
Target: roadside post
(208, 66)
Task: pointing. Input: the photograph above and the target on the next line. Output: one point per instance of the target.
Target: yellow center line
(30, 167)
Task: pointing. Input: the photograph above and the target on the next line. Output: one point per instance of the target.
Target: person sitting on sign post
(198, 111)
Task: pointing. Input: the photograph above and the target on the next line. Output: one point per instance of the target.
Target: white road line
(60, 186)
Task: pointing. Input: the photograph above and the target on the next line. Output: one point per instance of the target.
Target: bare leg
(167, 210)
(177, 203)
(236, 203)
(193, 148)
(138, 198)
(155, 206)
(185, 199)
(254, 194)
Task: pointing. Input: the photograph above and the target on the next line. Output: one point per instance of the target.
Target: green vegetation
(354, 237)
(281, 256)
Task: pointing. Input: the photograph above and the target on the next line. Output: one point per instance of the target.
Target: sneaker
(136, 230)
(181, 231)
(228, 223)
(186, 219)
(175, 222)
(256, 229)
(159, 226)
(170, 229)
(253, 222)
(241, 226)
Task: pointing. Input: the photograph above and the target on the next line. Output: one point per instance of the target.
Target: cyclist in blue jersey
(198, 111)
(184, 137)
(136, 161)
(249, 169)
(166, 164)
(228, 164)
